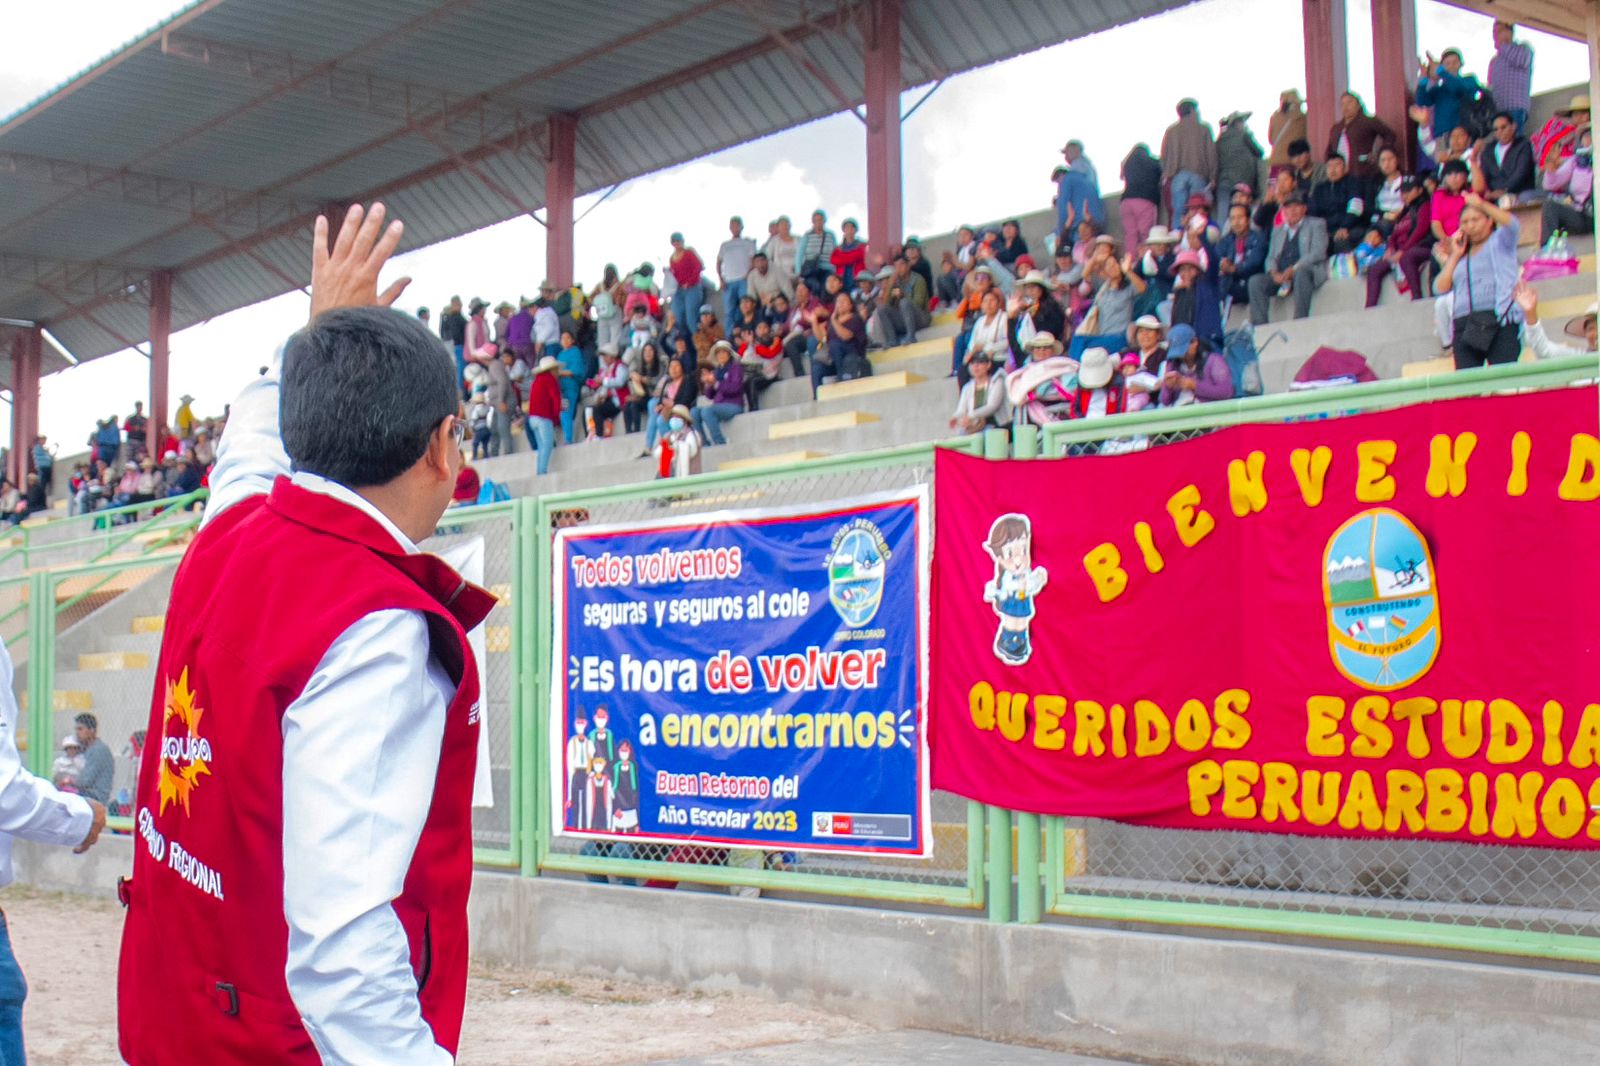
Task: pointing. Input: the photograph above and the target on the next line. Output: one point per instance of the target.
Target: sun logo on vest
(1382, 598)
(185, 754)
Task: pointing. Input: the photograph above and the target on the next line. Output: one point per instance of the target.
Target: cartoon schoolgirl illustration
(1016, 582)
(597, 797)
(603, 741)
(625, 790)
(580, 749)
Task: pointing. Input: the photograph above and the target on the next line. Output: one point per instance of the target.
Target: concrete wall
(1157, 997)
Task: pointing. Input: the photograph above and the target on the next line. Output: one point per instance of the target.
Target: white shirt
(733, 258)
(546, 327)
(31, 808)
(356, 786)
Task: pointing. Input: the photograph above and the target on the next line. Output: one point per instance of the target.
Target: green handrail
(1542, 374)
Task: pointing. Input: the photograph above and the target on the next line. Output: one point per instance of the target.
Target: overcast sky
(981, 148)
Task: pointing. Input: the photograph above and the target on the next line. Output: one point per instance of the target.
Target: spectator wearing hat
(1147, 343)
(1339, 200)
(1511, 73)
(1297, 262)
(478, 331)
(723, 394)
(1561, 133)
(978, 282)
(734, 258)
(1240, 252)
(1196, 297)
(502, 320)
(1285, 126)
(1154, 265)
(1039, 390)
(1581, 327)
(1077, 189)
(544, 407)
(1443, 87)
(68, 765)
(1357, 137)
(480, 420)
(184, 420)
(1238, 155)
(686, 268)
(1505, 162)
(919, 262)
(1037, 310)
(1194, 373)
(609, 389)
(1410, 243)
(678, 450)
(1141, 194)
(981, 403)
(707, 332)
(849, 258)
(1100, 390)
(904, 304)
(674, 388)
(813, 253)
(1188, 157)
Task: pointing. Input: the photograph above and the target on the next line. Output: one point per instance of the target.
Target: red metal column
(160, 334)
(1327, 66)
(884, 218)
(1394, 63)
(26, 353)
(560, 188)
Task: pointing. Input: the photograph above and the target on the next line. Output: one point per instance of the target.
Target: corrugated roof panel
(211, 123)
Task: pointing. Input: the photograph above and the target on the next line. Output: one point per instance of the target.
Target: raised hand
(347, 275)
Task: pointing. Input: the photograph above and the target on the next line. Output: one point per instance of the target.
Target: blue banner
(754, 679)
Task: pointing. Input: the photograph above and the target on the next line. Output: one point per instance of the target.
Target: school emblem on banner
(1382, 597)
(855, 571)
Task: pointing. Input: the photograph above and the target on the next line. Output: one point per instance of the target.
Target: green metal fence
(138, 528)
(85, 636)
(1477, 897)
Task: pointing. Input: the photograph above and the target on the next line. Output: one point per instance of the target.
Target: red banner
(1379, 625)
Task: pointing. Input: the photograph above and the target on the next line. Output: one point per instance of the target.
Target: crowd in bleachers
(121, 468)
(1092, 323)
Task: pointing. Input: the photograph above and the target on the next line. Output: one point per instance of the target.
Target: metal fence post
(1030, 902)
(531, 597)
(41, 670)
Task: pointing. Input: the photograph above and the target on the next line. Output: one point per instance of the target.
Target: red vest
(263, 592)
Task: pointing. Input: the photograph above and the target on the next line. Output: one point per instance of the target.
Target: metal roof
(1564, 18)
(207, 145)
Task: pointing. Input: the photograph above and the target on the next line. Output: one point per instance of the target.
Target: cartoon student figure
(597, 797)
(603, 743)
(580, 749)
(1016, 582)
(625, 790)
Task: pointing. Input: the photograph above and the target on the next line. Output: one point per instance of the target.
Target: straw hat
(1291, 97)
(1161, 235)
(1575, 327)
(680, 411)
(547, 364)
(1034, 277)
(1095, 371)
(1577, 103)
(1046, 340)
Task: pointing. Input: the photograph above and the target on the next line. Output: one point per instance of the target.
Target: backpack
(1239, 349)
(1477, 116)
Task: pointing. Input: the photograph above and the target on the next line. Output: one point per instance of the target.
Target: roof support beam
(66, 278)
(560, 189)
(881, 28)
(225, 205)
(1327, 66)
(160, 358)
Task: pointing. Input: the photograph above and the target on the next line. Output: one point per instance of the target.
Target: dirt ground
(68, 948)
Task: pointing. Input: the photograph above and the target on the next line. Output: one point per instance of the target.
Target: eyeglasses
(458, 430)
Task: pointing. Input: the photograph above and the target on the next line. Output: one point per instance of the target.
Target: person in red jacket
(303, 840)
(544, 408)
(850, 257)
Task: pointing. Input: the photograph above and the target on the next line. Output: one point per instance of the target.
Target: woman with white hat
(678, 450)
(1037, 311)
(1038, 390)
(1100, 390)
(544, 408)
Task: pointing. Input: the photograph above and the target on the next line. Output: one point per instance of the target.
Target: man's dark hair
(363, 390)
(1498, 115)
(1299, 146)
(88, 721)
(1455, 166)
(1339, 157)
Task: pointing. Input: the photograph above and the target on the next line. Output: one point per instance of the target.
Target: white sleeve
(31, 808)
(1545, 348)
(250, 456)
(360, 755)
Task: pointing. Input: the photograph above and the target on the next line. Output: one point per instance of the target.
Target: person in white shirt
(1534, 335)
(349, 971)
(546, 326)
(982, 403)
(733, 265)
(31, 808)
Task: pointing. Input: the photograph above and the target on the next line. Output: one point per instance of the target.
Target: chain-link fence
(483, 544)
(102, 627)
(1108, 870)
(951, 876)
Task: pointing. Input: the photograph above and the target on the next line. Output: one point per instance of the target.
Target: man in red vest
(303, 836)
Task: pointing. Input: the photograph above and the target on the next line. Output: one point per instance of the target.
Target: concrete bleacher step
(114, 660)
(890, 382)
(148, 623)
(74, 700)
(780, 459)
(819, 424)
(915, 350)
